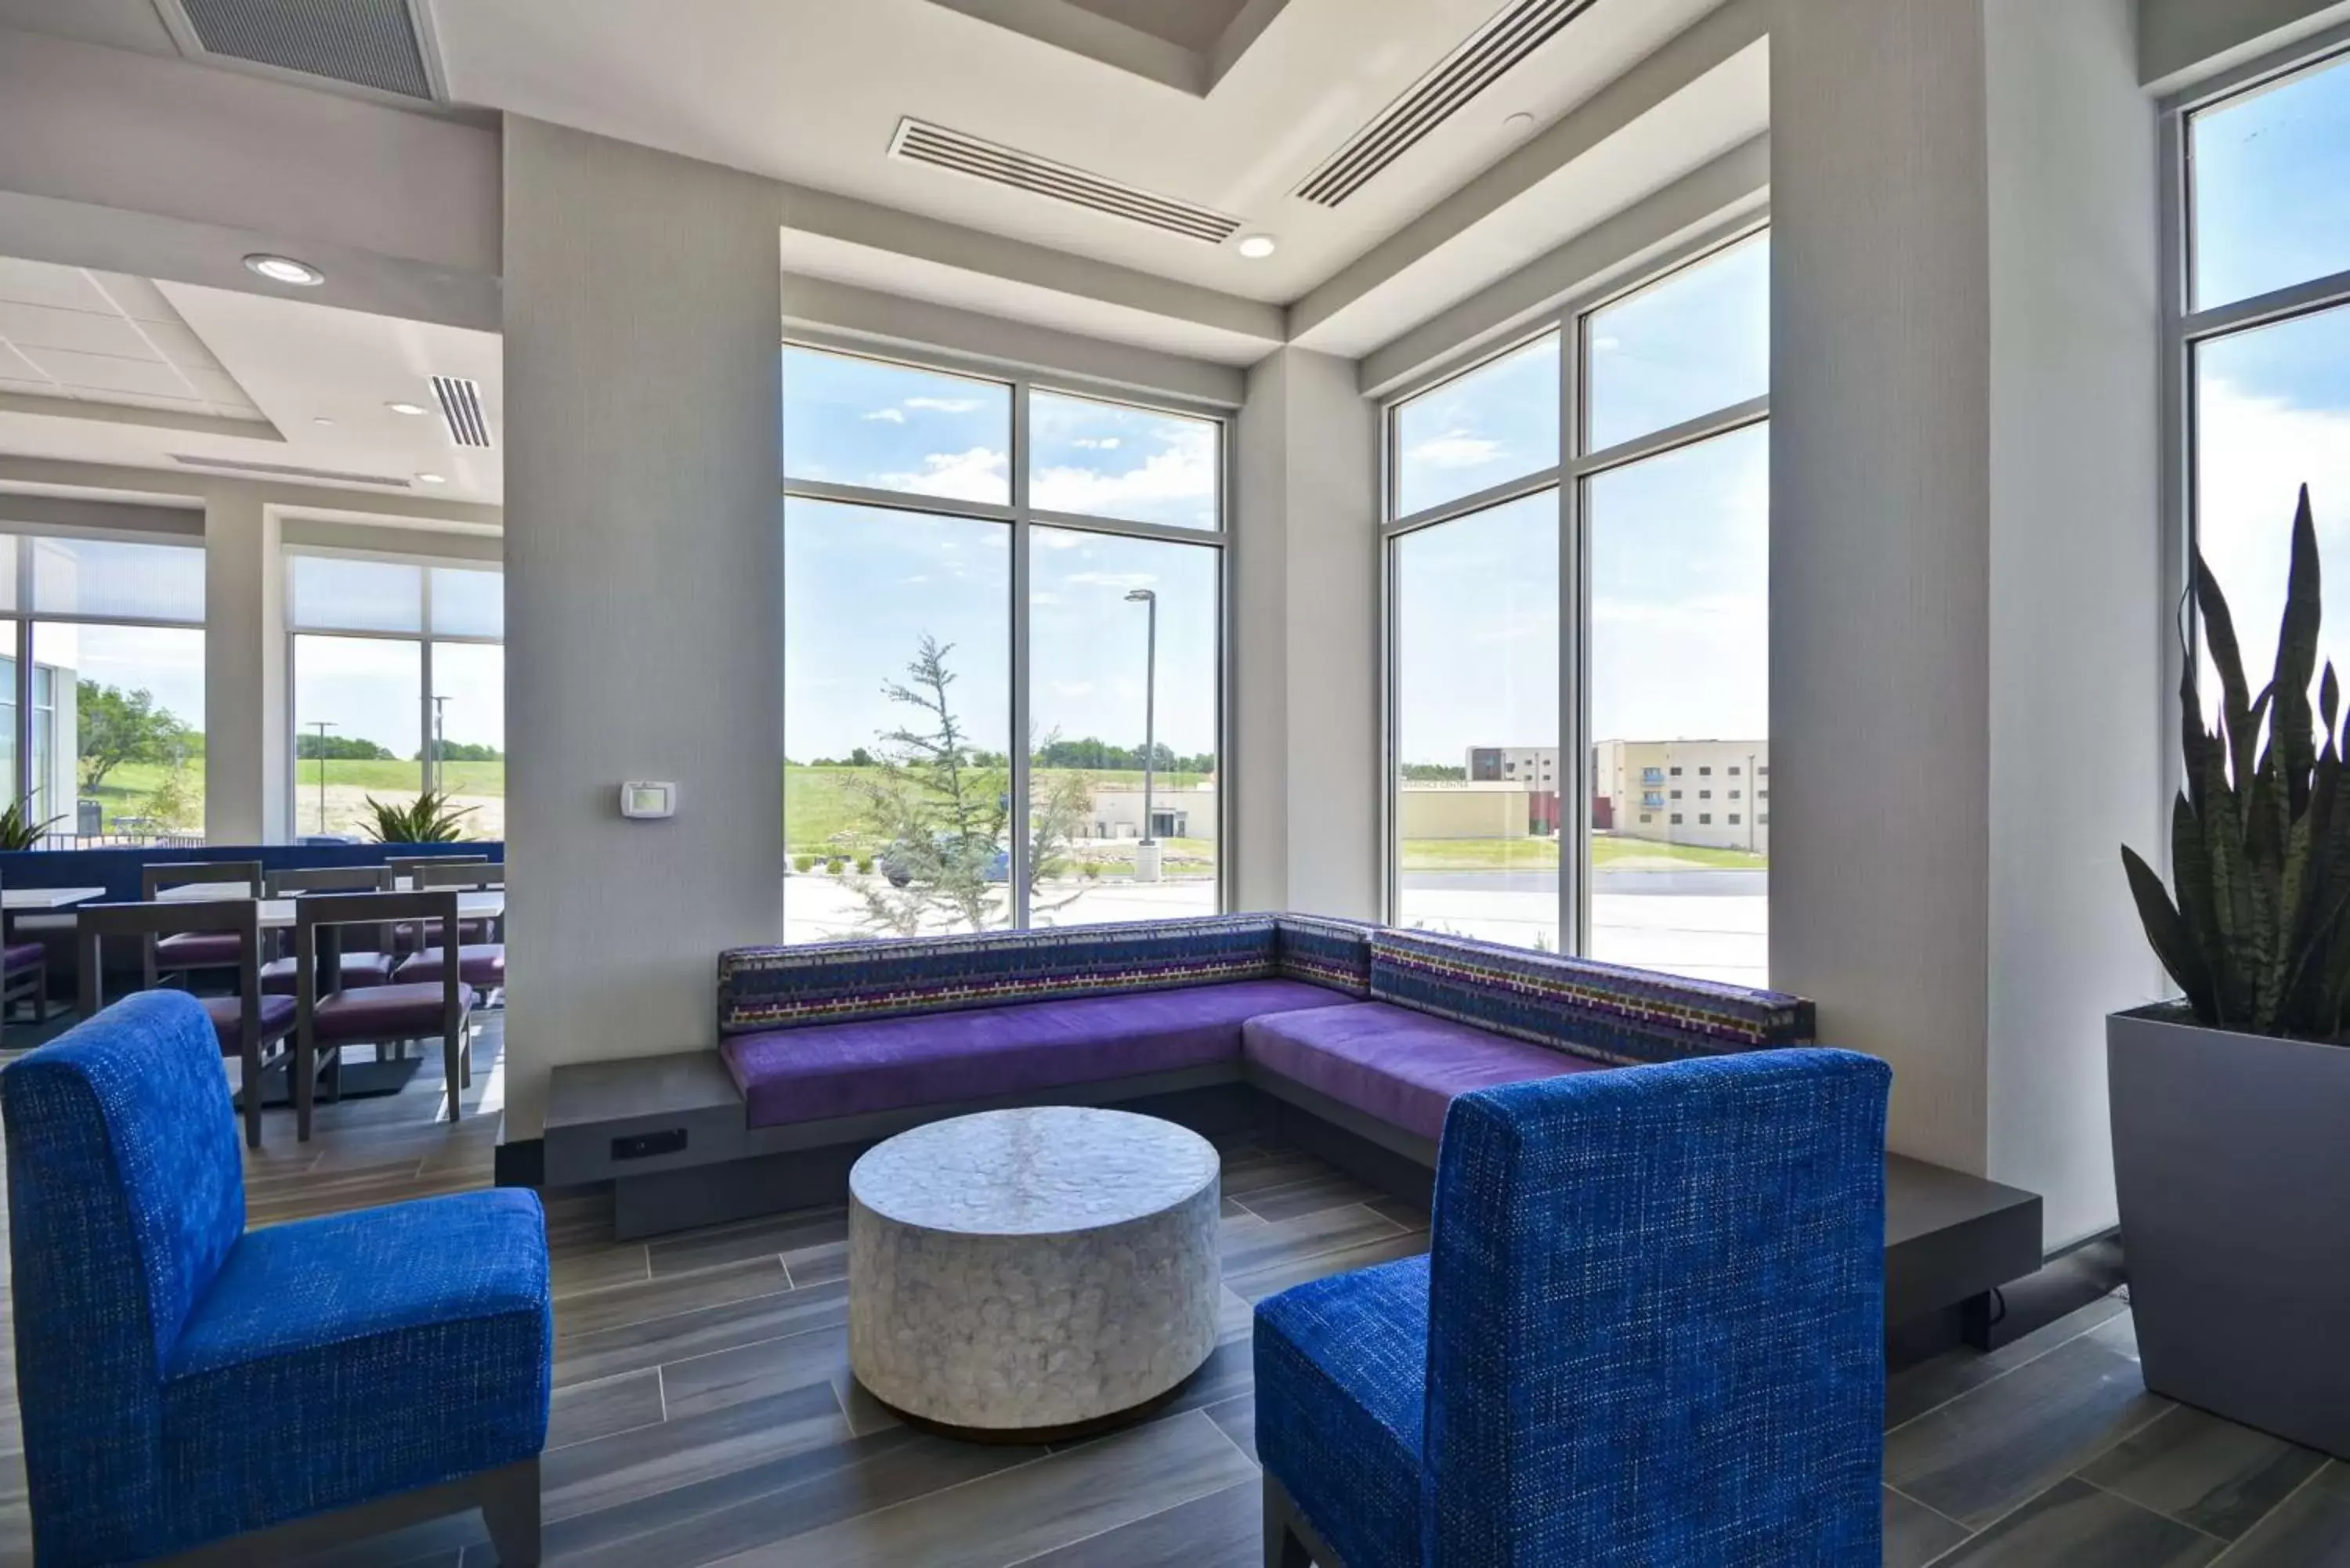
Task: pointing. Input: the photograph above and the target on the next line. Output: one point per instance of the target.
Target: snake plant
(2259, 937)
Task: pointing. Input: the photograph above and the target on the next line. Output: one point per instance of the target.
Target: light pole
(322, 726)
(1146, 853)
(440, 738)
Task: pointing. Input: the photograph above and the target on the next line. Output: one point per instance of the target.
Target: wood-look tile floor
(704, 1411)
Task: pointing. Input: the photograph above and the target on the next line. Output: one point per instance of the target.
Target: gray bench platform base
(668, 1132)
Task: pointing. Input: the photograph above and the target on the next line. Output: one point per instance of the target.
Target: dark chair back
(93, 923)
(155, 878)
(469, 874)
(295, 881)
(410, 868)
(319, 910)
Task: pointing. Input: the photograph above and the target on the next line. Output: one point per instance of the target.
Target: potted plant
(2231, 1107)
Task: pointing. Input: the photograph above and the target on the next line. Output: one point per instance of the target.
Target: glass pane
(1116, 680)
(468, 603)
(112, 578)
(1680, 687)
(119, 730)
(1107, 459)
(1476, 661)
(1687, 344)
(368, 694)
(331, 593)
(886, 427)
(2272, 203)
(8, 634)
(1497, 424)
(469, 689)
(2273, 413)
(897, 722)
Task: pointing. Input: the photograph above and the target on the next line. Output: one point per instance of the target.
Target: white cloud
(2256, 453)
(1176, 483)
(974, 474)
(947, 405)
(1060, 539)
(1097, 444)
(887, 416)
(1454, 449)
(1112, 579)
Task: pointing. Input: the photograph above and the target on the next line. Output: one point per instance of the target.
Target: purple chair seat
(283, 976)
(403, 937)
(23, 956)
(483, 965)
(382, 1012)
(1401, 1067)
(888, 1064)
(228, 1014)
(198, 949)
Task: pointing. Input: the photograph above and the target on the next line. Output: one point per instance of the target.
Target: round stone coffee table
(1030, 1274)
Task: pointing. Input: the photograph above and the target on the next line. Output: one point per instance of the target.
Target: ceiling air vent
(944, 148)
(460, 406)
(1489, 52)
(368, 43)
(290, 470)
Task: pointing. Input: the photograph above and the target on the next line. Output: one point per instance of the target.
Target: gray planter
(2231, 1156)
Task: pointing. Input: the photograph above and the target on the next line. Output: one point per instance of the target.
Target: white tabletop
(1044, 1170)
(14, 898)
(278, 914)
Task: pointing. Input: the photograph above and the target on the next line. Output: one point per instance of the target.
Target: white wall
(1879, 546)
(1304, 640)
(644, 579)
(245, 771)
(2077, 618)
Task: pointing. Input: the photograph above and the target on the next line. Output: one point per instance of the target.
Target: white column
(643, 572)
(1305, 643)
(245, 718)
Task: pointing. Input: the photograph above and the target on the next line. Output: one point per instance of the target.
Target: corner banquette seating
(184, 1381)
(1371, 1031)
(1648, 1330)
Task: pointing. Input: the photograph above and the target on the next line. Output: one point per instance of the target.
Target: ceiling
(312, 384)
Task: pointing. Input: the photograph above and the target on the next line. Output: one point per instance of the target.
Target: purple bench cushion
(1401, 1067)
(227, 1013)
(283, 976)
(382, 1012)
(818, 1071)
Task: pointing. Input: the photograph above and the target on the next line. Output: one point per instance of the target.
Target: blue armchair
(184, 1380)
(1649, 1330)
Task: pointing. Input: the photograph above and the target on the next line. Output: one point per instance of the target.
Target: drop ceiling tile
(179, 344)
(103, 373)
(33, 327)
(136, 297)
(15, 366)
(39, 283)
(215, 386)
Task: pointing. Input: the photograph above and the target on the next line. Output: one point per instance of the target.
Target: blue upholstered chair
(184, 1380)
(1649, 1331)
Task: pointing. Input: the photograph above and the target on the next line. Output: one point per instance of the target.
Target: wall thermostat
(641, 800)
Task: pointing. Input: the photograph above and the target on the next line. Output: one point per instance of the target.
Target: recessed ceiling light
(1520, 121)
(285, 269)
(407, 407)
(431, 479)
(1256, 247)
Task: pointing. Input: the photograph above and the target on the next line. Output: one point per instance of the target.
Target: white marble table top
(1034, 1171)
(14, 899)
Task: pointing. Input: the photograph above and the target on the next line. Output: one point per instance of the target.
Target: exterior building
(1531, 767)
(1185, 813)
(1713, 794)
(1474, 810)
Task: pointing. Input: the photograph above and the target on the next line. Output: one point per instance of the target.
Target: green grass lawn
(822, 811)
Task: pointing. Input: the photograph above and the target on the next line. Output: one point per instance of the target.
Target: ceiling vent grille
(921, 143)
(290, 470)
(368, 43)
(460, 406)
(1488, 54)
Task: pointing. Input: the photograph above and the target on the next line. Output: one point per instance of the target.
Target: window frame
(1571, 319)
(428, 772)
(21, 538)
(2184, 330)
(1023, 518)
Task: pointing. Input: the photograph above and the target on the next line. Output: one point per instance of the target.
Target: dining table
(278, 914)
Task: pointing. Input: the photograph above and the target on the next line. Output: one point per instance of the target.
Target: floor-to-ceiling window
(2257, 306)
(102, 658)
(399, 680)
(1004, 609)
(1578, 618)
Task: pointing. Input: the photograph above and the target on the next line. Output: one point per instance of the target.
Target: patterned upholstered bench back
(777, 988)
(1605, 1012)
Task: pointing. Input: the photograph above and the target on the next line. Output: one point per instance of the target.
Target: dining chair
(361, 966)
(24, 975)
(192, 951)
(247, 1025)
(408, 874)
(473, 877)
(332, 1017)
